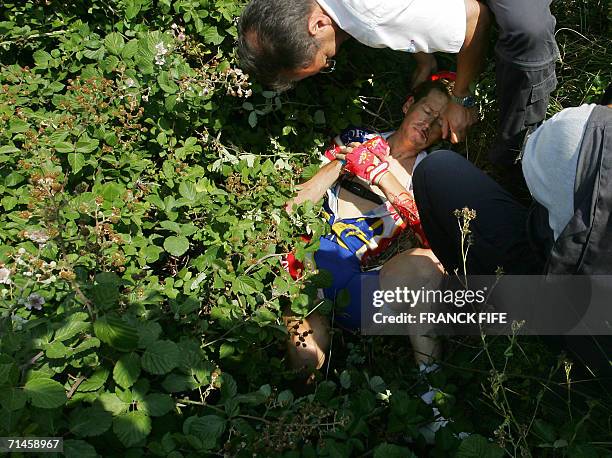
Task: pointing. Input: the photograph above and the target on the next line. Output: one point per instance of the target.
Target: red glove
(367, 160)
(330, 153)
(381, 150)
(378, 146)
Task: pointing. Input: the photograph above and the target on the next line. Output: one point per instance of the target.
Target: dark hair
(422, 90)
(273, 38)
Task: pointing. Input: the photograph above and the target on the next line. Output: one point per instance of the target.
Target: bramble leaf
(45, 393)
(160, 357)
(90, 421)
(114, 43)
(156, 404)
(477, 446)
(127, 370)
(176, 245)
(132, 427)
(115, 332)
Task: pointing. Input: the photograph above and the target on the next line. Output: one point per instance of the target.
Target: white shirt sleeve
(404, 25)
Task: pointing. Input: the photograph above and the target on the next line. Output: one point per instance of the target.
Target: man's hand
(340, 152)
(367, 161)
(456, 120)
(381, 152)
(315, 188)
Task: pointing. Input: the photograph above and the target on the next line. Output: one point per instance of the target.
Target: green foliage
(90, 421)
(478, 447)
(45, 393)
(143, 179)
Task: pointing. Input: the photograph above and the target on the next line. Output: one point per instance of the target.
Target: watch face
(469, 101)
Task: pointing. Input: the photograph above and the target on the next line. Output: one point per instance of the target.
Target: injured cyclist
(368, 202)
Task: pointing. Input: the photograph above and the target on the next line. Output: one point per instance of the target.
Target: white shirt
(550, 161)
(404, 25)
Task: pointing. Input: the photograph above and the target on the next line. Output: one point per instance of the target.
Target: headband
(443, 76)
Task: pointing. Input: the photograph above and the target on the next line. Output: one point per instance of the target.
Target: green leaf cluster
(143, 179)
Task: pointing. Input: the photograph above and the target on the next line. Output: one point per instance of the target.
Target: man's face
(321, 61)
(328, 37)
(422, 124)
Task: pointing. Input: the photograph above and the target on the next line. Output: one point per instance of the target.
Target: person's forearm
(426, 65)
(401, 199)
(425, 60)
(315, 188)
(471, 56)
(391, 186)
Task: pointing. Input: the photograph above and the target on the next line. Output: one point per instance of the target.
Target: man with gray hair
(284, 41)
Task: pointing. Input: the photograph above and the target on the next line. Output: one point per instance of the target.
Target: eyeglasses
(330, 66)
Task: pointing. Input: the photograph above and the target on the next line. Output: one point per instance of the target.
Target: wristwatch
(468, 101)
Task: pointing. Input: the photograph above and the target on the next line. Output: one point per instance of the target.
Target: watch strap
(468, 101)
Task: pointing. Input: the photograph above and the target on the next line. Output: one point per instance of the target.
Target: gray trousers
(526, 52)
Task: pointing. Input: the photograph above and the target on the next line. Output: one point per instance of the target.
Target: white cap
(550, 160)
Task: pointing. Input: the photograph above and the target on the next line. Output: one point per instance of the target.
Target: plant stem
(36, 35)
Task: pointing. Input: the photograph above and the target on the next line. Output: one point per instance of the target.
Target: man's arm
(469, 64)
(395, 193)
(425, 66)
(405, 205)
(471, 56)
(370, 166)
(315, 188)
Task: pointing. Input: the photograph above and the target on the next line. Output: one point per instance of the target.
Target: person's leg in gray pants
(526, 52)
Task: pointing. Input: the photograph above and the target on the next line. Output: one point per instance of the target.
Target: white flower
(35, 301)
(5, 276)
(38, 236)
(161, 48)
(161, 52)
(145, 98)
(21, 251)
(51, 279)
(130, 82)
(180, 37)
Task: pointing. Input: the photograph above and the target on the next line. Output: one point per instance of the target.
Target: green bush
(142, 181)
